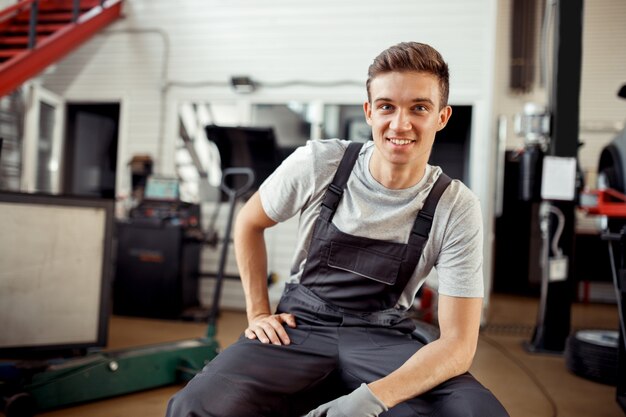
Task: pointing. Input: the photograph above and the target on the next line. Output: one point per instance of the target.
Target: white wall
(6, 3)
(273, 41)
(166, 52)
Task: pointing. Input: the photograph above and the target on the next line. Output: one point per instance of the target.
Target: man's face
(404, 115)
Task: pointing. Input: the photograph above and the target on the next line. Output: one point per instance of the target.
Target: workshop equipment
(609, 203)
(158, 254)
(557, 153)
(601, 356)
(27, 387)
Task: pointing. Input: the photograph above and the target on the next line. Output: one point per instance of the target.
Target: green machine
(102, 375)
(28, 386)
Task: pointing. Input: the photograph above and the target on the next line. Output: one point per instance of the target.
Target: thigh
(461, 396)
(370, 354)
(253, 378)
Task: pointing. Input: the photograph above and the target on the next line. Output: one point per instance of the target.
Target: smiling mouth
(397, 141)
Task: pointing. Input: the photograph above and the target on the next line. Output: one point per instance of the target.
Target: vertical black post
(32, 29)
(620, 281)
(75, 10)
(565, 95)
(554, 326)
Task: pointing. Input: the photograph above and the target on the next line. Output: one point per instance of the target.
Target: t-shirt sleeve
(288, 188)
(460, 263)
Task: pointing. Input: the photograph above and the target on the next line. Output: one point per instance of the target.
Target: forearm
(427, 368)
(433, 364)
(450, 355)
(251, 255)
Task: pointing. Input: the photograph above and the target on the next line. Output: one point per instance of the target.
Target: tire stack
(592, 354)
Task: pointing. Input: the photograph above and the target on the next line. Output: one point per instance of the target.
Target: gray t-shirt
(368, 209)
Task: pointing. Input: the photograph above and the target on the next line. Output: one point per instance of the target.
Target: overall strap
(335, 189)
(424, 220)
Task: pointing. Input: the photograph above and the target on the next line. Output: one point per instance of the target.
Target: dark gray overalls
(348, 331)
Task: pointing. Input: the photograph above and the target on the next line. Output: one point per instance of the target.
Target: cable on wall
(308, 83)
(554, 245)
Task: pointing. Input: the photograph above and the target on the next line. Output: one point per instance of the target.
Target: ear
(444, 116)
(367, 109)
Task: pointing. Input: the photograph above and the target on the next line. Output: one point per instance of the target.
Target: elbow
(466, 361)
(461, 365)
(463, 354)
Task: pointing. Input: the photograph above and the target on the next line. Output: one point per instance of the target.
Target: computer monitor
(162, 189)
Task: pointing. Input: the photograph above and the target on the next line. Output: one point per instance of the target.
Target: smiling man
(405, 110)
(375, 219)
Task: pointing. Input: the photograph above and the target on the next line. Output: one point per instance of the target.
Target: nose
(400, 121)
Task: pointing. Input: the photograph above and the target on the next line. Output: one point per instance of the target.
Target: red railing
(11, 11)
(33, 6)
(87, 17)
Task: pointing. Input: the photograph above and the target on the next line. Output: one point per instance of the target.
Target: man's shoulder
(325, 154)
(327, 147)
(458, 196)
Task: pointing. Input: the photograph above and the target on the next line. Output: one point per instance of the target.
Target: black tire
(20, 405)
(592, 354)
(425, 332)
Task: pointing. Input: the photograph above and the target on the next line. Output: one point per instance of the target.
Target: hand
(359, 403)
(269, 328)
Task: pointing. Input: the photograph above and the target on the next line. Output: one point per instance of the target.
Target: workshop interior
(132, 132)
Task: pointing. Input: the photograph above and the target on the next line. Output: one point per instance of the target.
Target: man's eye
(420, 108)
(385, 107)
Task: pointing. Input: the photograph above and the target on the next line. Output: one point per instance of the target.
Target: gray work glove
(359, 403)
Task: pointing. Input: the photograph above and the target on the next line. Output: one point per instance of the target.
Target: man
(374, 220)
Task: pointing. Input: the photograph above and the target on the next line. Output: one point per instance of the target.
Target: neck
(396, 177)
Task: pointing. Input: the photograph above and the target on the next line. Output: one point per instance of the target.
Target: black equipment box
(157, 269)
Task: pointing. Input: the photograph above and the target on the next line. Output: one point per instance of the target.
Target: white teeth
(400, 141)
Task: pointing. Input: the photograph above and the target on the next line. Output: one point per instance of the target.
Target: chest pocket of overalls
(375, 265)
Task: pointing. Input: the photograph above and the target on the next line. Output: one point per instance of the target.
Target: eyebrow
(415, 100)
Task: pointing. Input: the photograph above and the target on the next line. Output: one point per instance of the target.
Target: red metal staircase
(37, 33)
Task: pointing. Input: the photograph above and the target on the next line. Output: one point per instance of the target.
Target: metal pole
(555, 319)
(233, 194)
(75, 10)
(32, 29)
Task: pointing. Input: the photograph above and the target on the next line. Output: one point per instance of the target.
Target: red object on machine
(607, 202)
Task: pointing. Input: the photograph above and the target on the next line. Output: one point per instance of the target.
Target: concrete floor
(529, 385)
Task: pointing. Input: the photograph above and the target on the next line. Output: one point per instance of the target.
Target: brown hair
(412, 56)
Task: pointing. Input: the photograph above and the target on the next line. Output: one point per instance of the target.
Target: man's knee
(186, 403)
(207, 396)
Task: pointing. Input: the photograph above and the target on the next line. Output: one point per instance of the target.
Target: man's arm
(251, 257)
(440, 360)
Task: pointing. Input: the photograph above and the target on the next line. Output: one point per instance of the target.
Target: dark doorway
(451, 150)
(91, 149)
